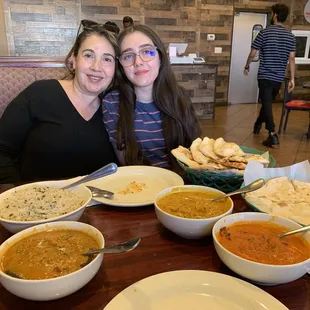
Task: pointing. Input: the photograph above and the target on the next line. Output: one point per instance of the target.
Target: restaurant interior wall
(3, 43)
(48, 27)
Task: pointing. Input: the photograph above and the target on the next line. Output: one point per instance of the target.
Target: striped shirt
(274, 45)
(148, 128)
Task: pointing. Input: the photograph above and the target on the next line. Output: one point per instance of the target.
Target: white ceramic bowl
(185, 227)
(16, 226)
(262, 274)
(55, 288)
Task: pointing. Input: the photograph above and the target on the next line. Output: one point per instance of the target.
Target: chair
(290, 104)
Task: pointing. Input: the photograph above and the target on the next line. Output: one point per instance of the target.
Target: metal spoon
(97, 192)
(294, 231)
(249, 188)
(117, 248)
(102, 172)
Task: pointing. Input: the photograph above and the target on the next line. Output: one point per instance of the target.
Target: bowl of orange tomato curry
(45, 262)
(248, 244)
(188, 212)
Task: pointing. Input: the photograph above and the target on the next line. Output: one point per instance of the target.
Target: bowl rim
(271, 217)
(3, 274)
(49, 219)
(168, 189)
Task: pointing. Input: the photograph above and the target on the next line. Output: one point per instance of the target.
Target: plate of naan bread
(283, 197)
(217, 163)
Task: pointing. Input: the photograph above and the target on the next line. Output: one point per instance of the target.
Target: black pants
(267, 92)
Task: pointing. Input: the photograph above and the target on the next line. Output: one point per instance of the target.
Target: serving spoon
(102, 172)
(294, 231)
(246, 189)
(117, 248)
(97, 192)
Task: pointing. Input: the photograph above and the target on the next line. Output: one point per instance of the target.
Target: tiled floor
(235, 124)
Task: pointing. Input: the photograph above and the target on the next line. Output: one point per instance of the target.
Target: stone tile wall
(48, 27)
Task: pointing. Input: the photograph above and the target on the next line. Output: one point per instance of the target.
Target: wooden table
(159, 251)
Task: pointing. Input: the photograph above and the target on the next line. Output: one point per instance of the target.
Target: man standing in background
(276, 46)
(127, 22)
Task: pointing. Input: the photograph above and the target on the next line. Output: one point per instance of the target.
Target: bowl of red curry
(248, 244)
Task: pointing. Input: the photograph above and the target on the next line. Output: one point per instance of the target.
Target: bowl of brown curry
(188, 212)
(45, 262)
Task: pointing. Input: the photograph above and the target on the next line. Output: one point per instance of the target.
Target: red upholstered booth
(16, 73)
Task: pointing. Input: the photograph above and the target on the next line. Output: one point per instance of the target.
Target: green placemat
(221, 181)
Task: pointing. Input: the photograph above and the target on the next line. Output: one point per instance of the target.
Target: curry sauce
(258, 242)
(48, 254)
(193, 204)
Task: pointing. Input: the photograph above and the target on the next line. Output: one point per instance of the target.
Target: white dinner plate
(152, 180)
(195, 290)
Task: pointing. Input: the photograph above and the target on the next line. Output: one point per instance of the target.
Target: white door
(244, 89)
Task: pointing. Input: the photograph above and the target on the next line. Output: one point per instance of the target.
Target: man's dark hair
(127, 19)
(281, 10)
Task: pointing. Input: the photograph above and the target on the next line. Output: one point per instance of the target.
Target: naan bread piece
(238, 159)
(297, 211)
(185, 151)
(226, 149)
(258, 158)
(302, 187)
(280, 185)
(275, 189)
(217, 146)
(197, 155)
(247, 158)
(206, 148)
(280, 191)
(261, 202)
(182, 154)
(212, 166)
(283, 197)
(232, 164)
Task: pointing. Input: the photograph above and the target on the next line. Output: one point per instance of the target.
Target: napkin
(255, 170)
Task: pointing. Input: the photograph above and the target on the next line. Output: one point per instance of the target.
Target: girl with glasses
(150, 114)
(53, 129)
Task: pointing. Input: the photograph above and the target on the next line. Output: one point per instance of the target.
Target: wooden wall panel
(175, 21)
(3, 36)
(199, 81)
(217, 19)
(254, 4)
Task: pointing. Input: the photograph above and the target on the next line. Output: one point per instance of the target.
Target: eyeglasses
(146, 54)
(91, 25)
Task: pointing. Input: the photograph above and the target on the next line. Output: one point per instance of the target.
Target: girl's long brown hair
(180, 124)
